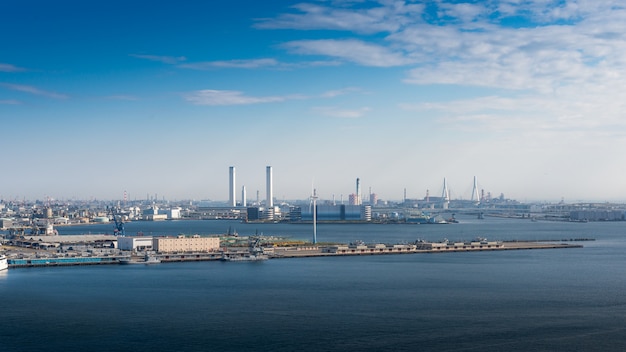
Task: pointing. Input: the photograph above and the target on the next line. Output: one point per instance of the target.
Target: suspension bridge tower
(445, 195)
(475, 196)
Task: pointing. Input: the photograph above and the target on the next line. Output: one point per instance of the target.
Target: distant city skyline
(102, 97)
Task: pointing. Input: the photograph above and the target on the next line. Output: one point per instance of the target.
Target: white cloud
(464, 12)
(338, 92)
(33, 90)
(341, 113)
(255, 64)
(10, 102)
(247, 64)
(232, 97)
(172, 60)
(388, 17)
(352, 50)
(465, 43)
(10, 68)
(229, 97)
(122, 97)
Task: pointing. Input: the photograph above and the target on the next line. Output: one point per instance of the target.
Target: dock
(297, 252)
(357, 250)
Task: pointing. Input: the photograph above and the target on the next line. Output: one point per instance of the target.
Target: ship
(425, 219)
(254, 254)
(4, 263)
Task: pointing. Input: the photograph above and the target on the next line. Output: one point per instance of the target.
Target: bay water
(541, 300)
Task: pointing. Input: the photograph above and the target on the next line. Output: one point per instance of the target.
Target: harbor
(334, 297)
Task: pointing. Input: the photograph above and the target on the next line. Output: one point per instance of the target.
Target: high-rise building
(232, 201)
(244, 203)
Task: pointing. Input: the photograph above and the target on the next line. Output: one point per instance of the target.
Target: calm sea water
(563, 299)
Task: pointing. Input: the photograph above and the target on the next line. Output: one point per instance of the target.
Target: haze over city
(102, 97)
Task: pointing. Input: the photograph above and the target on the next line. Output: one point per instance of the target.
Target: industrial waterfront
(78, 245)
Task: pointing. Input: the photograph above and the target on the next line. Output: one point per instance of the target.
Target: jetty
(39, 259)
(358, 249)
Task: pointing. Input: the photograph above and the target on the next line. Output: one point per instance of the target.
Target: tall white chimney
(269, 188)
(232, 200)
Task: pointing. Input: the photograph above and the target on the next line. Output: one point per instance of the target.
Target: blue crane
(119, 224)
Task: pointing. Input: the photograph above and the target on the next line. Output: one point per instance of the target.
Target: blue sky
(102, 97)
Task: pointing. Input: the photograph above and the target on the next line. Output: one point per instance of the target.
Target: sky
(98, 98)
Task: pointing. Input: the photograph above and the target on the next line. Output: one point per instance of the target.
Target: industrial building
(597, 215)
(43, 241)
(134, 243)
(182, 243)
(339, 212)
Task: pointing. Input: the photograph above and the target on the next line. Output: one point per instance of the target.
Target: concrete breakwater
(297, 252)
(414, 249)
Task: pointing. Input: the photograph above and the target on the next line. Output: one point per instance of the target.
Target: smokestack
(244, 203)
(270, 191)
(232, 201)
(358, 191)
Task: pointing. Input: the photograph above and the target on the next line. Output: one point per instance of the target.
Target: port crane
(119, 224)
(254, 245)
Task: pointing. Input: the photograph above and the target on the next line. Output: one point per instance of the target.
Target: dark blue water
(563, 299)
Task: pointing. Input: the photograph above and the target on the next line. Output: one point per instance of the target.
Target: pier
(410, 249)
(25, 260)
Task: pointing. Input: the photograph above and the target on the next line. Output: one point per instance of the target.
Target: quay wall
(373, 251)
(36, 262)
(281, 252)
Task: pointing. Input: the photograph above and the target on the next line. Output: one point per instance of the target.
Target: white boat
(4, 262)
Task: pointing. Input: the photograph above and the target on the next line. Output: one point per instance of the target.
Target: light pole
(314, 197)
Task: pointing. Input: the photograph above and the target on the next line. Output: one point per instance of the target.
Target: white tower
(475, 196)
(270, 191)
(244, 203)
(232, 200)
